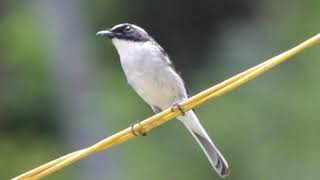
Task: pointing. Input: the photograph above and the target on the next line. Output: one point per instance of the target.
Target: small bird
(150, 72)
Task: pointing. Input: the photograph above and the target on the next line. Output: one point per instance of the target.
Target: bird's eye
(127, 29)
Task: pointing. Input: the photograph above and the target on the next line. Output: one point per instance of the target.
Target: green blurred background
(62, 88)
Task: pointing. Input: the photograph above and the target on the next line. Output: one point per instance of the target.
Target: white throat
(129, 49)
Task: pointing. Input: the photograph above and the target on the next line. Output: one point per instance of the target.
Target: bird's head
(125, 32)
(127, 38)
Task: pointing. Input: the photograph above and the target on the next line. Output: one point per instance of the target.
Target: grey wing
(166, 57)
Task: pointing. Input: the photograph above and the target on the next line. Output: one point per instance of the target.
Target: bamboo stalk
(168, 114)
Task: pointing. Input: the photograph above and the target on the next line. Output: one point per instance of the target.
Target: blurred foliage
(24, 86)
(266, 130)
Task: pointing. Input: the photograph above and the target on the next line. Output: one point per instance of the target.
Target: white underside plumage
(150, 75)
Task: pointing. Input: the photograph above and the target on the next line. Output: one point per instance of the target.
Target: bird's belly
(157, 88)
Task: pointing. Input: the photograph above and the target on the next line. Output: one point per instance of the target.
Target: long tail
(215, 158)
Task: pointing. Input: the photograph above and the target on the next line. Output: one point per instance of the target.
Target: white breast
(149, 73)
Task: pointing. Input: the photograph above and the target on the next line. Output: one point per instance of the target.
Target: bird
(151, 74)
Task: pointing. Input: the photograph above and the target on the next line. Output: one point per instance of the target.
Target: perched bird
(151, 74)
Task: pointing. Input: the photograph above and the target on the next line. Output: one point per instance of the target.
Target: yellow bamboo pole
(45, 166)
(168, 114)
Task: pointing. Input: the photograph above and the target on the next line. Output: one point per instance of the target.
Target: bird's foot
(178, 106)
(139, 132)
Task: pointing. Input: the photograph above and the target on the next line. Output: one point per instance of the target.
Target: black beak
(107, 33)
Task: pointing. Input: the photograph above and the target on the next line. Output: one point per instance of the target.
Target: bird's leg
(177, 106)
(139, 131)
